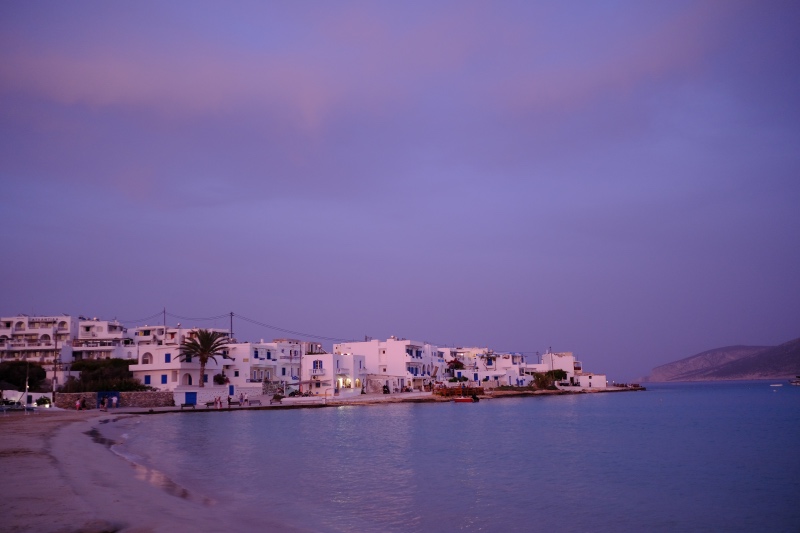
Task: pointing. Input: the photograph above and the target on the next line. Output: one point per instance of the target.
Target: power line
(138, 320)
(226, 315)
(286, 330)
(289, 331)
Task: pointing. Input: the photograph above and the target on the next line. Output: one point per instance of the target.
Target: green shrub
(104, 375)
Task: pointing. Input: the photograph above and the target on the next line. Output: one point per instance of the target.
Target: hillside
(734, 362)
(686, 369)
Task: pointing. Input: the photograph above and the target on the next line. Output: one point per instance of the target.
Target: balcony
(317, 371)
(85, 343)
(342, 370)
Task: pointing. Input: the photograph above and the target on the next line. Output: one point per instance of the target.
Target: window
(163, 379)
(283, 371)
(269, 354)
(147, 380)
(236, 373)
(167, 357)
(255, 354)
(317, 364)
(205, 378)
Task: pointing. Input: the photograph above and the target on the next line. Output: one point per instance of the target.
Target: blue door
(476, 377)
(230, 390)
(191, 398)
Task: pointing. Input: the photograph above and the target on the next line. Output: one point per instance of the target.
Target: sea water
(678, 457)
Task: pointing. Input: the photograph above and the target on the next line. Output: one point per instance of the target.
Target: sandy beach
(60, 476)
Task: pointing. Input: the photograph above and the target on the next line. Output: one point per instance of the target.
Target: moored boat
(467, 399)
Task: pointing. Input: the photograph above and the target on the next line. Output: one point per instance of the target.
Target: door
(191, 398)
(230, 390)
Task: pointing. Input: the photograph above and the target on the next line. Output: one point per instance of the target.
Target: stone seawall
(66, 400)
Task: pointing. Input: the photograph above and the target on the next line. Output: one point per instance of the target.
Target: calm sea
(679, 457)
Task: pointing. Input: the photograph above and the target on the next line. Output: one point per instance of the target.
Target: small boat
(777, 385)
(795, 381)
(467, 399)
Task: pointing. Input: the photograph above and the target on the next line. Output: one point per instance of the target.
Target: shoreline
(64, 476)
(318, 402)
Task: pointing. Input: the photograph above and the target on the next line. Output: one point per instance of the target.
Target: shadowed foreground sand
(60, 476)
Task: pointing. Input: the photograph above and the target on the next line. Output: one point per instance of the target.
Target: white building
(574, 369)
(334, 374)
(102, 339)
(398, 364)
(46, 340)
(485, 368)
(157, 351)
(276, 363)
(40, 339)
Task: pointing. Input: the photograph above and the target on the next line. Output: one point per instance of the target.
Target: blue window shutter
(205, 378)
(163, 379)
(167, 357)
(147, 380)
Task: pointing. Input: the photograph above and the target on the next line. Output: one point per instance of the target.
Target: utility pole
(55, 357)
(231, 325)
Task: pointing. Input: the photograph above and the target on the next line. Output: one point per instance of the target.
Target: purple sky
(621, 180)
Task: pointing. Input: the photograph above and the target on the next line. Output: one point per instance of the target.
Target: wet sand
(59, 475)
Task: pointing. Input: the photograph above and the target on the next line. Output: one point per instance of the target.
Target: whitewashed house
(46, 340)
(574, 369)
(159, 366)
(102, 339)
(398, 364)
(337, 374)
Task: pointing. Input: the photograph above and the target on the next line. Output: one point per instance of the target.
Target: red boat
(466, 399)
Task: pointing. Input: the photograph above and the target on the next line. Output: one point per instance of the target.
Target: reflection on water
(724, 456)
(150, 475)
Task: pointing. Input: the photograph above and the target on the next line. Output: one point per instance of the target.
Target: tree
(455, 364)
(545, 380)
(205, 345)
(103, 375)
(15, 373)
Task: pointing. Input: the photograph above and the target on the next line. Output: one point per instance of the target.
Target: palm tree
(204, 345)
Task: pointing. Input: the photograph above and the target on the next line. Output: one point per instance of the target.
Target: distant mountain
(734, 362)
